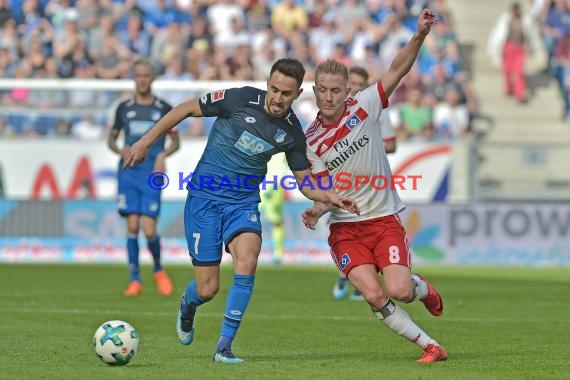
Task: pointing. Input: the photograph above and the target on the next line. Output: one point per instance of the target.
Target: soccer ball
(116, 342)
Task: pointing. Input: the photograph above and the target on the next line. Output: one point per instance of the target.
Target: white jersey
(388, 132)
(354, 147)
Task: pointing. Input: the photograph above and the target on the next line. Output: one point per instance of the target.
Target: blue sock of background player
(133, 253)
(154, 248)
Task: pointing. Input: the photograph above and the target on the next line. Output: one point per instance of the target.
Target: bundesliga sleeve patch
(217, 95)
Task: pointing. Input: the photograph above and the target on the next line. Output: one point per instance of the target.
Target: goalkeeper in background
(271, 206)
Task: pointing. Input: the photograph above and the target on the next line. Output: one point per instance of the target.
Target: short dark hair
(289, 67)
(361, 71)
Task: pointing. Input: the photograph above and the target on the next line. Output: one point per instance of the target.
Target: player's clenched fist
(425, 21)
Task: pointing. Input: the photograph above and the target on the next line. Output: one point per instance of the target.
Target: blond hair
(144, 62)
(333, 67)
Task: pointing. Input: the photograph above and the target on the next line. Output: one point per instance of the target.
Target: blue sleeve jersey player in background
(223, 193)
(137, 201)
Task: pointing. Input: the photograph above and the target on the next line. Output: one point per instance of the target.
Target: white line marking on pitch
(267, 316)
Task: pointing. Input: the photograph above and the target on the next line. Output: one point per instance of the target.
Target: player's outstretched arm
(315, 192)
(139, 150)
(406, 57)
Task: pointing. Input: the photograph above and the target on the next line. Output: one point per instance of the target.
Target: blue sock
(154, 248)
(133, 251)
(236, 304)
(192, 299)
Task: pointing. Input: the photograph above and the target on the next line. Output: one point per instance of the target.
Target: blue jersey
(241, 142)
(135, 120)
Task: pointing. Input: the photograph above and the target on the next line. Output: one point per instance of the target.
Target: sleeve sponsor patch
(218, 95)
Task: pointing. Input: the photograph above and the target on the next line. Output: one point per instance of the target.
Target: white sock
(420, 287)
(400, 322)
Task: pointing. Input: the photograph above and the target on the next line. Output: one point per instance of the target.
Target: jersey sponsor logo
(346, 150)
(250, 119)
(155, 115)
(344, 261)
(131, 114)
(252, 145)
(218, 95)
(280, 135)
(139, 127)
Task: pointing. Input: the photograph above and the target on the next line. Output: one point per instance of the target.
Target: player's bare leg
(365, 279)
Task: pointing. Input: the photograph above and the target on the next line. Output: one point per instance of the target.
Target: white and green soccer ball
(116, 342)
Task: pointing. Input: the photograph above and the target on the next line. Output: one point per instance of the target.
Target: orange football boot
(432, 301)
(433, 353)
(163, 283)
(134, 289)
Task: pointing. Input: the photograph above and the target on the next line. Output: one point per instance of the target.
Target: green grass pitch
(499, 323)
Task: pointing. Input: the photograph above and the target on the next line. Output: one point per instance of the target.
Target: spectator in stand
(450, 118)
(87, 129)
(109, 34)
(415, 117)
(556, 24)
(5, 13)
(136, 39)
(511, 35)
(287, 17)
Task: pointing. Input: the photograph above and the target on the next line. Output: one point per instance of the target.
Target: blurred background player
(358, 81)
(138, 200)
(271, 206)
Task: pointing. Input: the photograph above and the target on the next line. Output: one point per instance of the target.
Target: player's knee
(150, 235)
(247, 264)
(133, 230)
(375, 300)
(401, 292)
(208, 291)
(375, 296)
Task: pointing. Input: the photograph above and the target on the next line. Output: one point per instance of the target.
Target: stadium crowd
(221, 40)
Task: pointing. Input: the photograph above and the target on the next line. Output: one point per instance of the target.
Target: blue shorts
(138, 198)
(209, 224)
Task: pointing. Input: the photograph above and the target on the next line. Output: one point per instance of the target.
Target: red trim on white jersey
(390, 139)
(321, 174)
(382, 94)
(340, 131)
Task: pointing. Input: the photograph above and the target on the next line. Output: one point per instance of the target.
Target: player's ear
(314, 90)
(299, 92)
